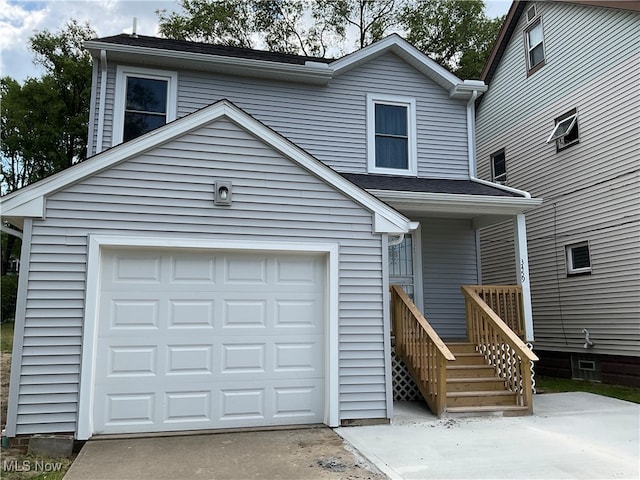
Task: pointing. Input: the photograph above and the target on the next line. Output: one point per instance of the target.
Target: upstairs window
(499, 167)
(578, 259)
(391, 134)
(145, 100)
(565, 131)
(534, 42)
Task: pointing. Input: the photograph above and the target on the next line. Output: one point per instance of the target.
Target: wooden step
(498, 410)
(467, 384)
(457, 371)
(461, 347)
(468, 359)
(480, 398)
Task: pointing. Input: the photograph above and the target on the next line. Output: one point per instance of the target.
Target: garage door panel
(208, 341)
(191, 313)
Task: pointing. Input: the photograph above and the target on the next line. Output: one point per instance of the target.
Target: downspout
(471, 148)
(471, 134)
(103, 99)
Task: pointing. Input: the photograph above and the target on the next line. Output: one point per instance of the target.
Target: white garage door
(192, 340)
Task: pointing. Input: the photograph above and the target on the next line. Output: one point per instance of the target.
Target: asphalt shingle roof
(426, 185)
(208, 49)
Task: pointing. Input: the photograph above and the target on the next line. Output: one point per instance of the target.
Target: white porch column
(522, 271)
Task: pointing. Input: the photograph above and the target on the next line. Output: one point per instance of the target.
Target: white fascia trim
(459, 203)
(407, 52)
(23, 203)
(86, 400)
(386, 219)
(311, 72)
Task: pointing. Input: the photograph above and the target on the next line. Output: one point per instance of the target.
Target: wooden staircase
(473, 388)
(489, 375)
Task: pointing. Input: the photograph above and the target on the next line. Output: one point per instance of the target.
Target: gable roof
(262, 64)
(511, 20)
(31, 200)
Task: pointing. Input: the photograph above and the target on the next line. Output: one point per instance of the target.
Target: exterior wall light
(222, 193)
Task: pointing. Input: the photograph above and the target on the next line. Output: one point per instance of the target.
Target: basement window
(578, 259)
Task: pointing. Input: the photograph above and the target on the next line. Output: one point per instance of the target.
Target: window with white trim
(145, 99)
(578, 258)
(534, 44)
(499, 167)
(391, 135)
(565, 132)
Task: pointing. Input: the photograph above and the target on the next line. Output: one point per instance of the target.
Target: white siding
(168, 192)
(590, 189)
(330, 121)
(448, 262)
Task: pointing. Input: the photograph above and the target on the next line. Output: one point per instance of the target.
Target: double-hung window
(145, 100)
(534, 43)
(391, 132)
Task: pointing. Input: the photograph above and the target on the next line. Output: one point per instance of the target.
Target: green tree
(372, 20)
(224, 22)
(43, 122)
(455, 33)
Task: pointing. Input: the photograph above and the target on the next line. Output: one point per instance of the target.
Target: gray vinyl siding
(330, 121)
(590, 190)
(168, 192)
(449, 260)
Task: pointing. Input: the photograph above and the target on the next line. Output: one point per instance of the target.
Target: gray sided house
(224, 257)
(561, 120)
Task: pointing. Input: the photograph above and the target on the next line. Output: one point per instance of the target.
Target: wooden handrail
(507, 302)
(502, 348)
(422, 350)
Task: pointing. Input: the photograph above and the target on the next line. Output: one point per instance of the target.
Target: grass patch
(556, 385)
(6, 337)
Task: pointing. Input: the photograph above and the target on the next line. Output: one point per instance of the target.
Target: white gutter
(312, 72)
(103, 97)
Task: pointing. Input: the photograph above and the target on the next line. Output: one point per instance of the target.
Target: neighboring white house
(561, 119)
(229, 264)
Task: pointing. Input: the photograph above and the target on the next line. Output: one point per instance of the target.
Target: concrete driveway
(571, 435)
(307, 453)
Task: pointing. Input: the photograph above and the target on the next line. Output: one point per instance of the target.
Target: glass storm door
(401, 265)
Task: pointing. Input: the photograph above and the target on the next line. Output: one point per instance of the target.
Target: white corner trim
(122, 72)
(18, 334)
(85, 427)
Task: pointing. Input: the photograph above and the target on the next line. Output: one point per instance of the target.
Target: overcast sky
(20, 18)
